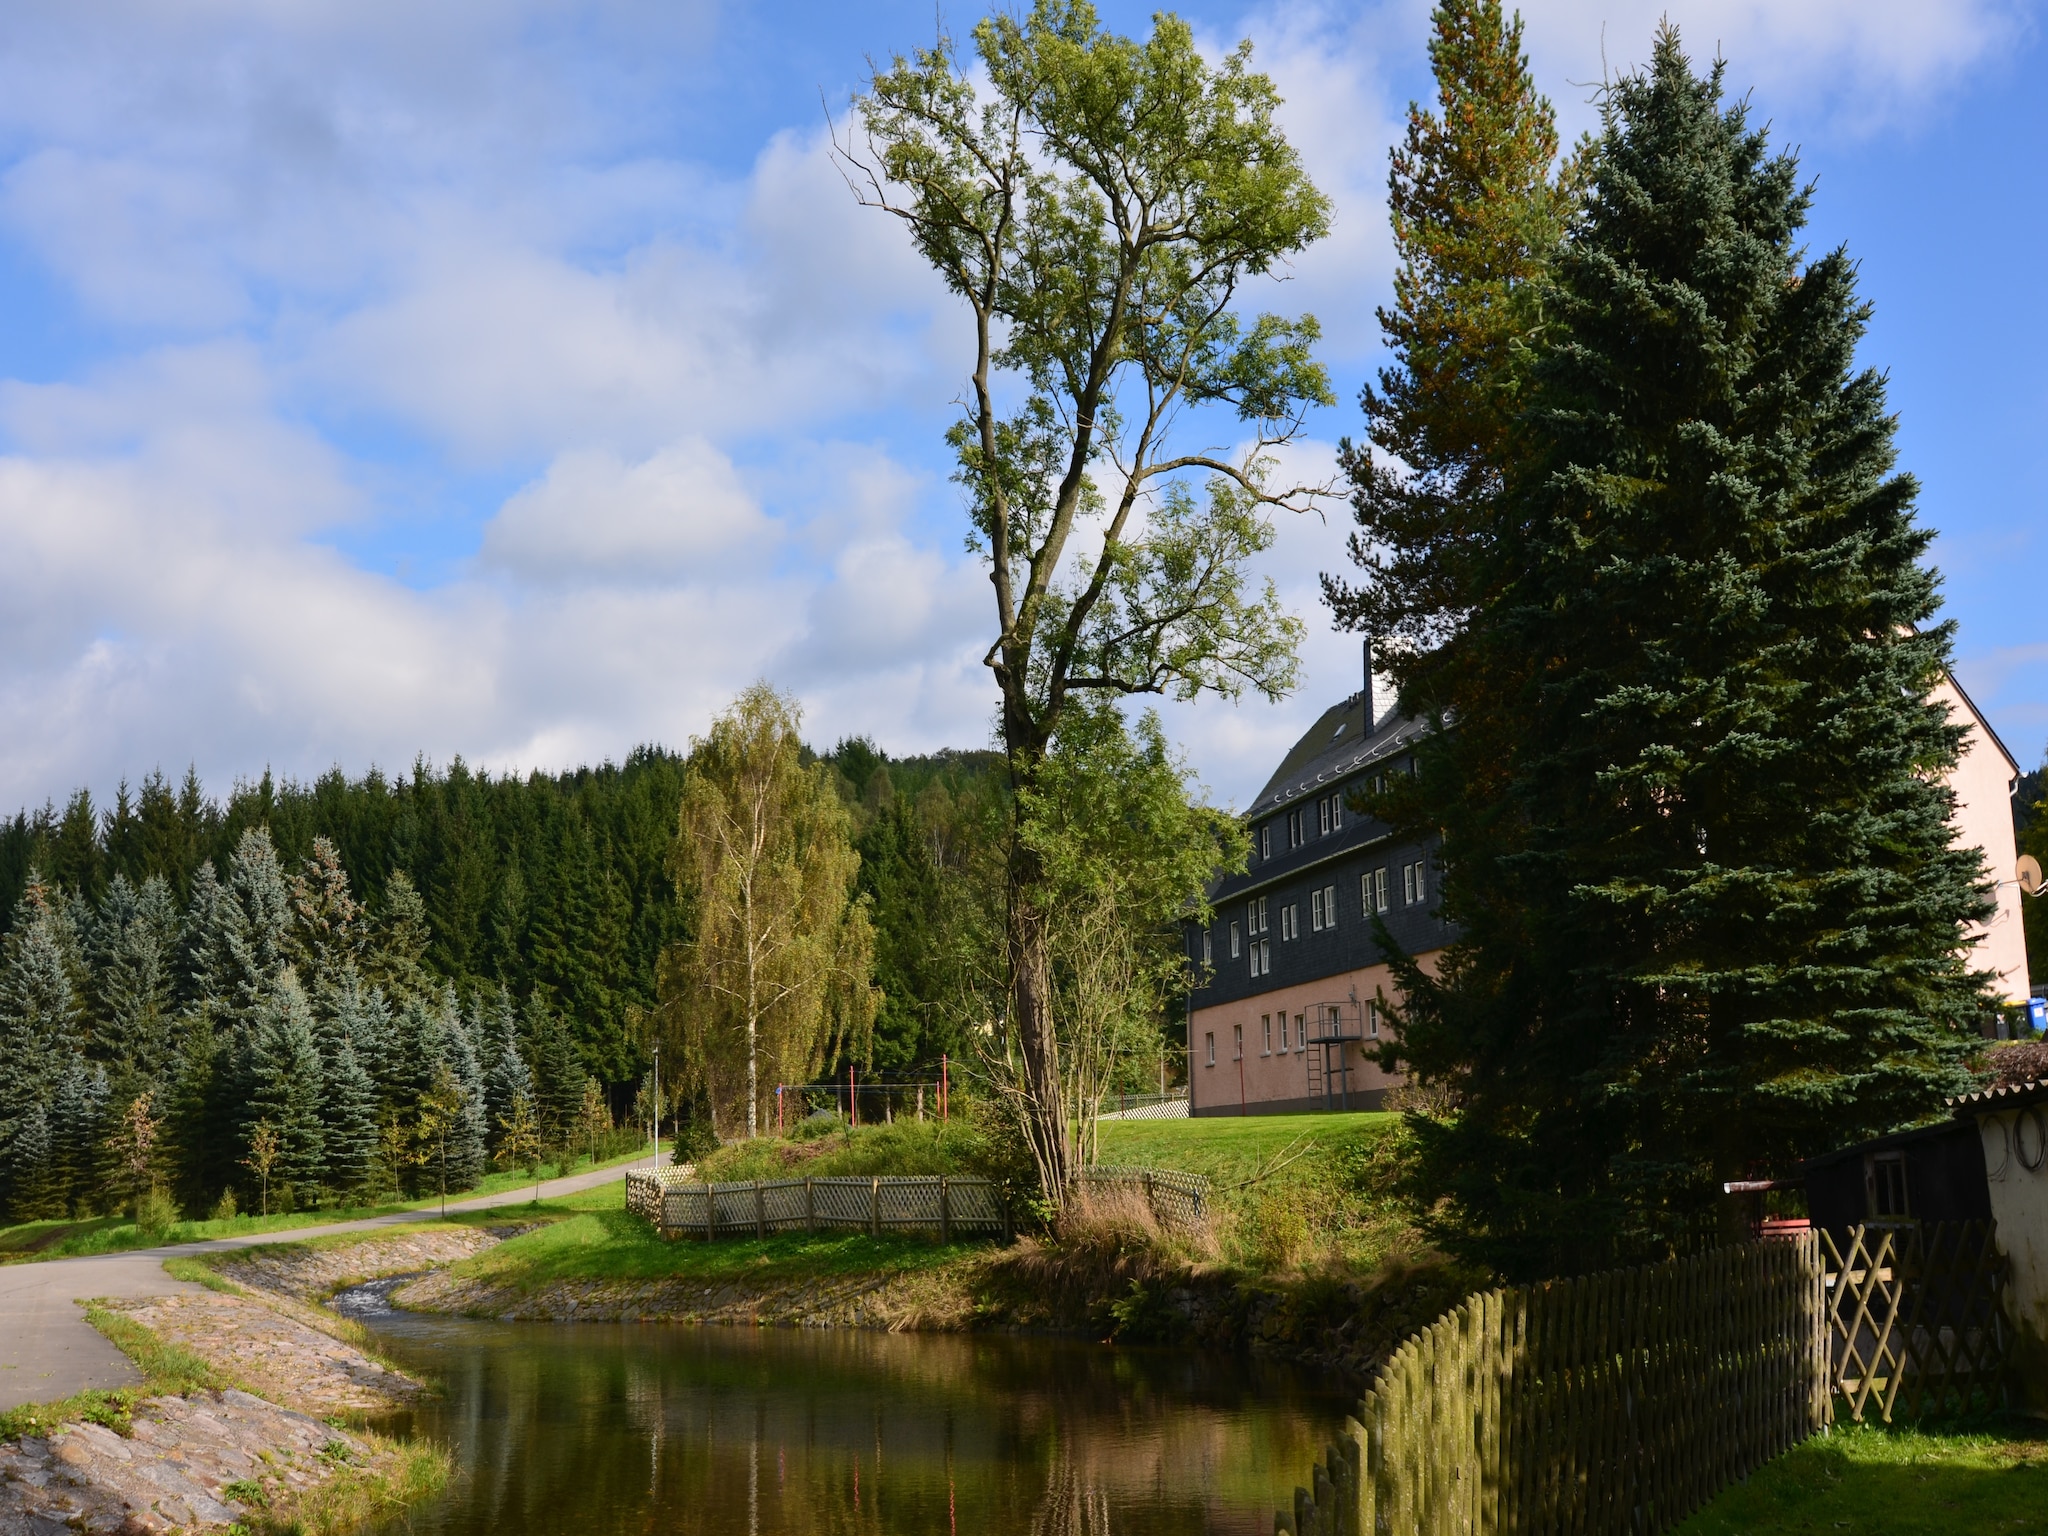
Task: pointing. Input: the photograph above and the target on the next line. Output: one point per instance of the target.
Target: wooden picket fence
(1620, 1402)
(1916, 1319)
(1623, 1401)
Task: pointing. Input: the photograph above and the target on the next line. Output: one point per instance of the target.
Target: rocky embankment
(214, 1459)
(187, 1464)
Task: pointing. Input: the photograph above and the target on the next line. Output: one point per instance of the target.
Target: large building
(1289, 1016)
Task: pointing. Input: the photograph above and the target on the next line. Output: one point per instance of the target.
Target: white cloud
(593, 516)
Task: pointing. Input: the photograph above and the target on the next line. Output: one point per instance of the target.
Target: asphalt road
(47, 1348)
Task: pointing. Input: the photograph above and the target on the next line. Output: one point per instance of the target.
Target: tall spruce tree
(135, 950)
(286, 1087)
(1479, 206)
(1693, 801)
(507, 1078)
(557, 1071)
(468, 1154)
(78, 1130)
(38, 1012)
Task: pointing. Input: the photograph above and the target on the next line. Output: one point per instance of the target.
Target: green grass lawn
(1231, 1148)
(33, 1240)
(590, 1236)
(1870, 1481)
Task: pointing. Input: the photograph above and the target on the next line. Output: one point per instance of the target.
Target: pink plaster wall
(1983, 783)
(1264, 1076)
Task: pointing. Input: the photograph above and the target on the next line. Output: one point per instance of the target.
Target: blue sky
(520, 380)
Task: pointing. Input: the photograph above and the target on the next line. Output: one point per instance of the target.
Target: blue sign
(2037, 1014)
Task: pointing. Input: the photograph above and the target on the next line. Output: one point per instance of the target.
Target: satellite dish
(2029, 873)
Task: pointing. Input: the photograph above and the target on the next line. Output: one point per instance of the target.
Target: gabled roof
(1330, 749)
(1978, 715)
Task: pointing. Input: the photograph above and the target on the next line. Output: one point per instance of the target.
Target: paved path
(47, 1348)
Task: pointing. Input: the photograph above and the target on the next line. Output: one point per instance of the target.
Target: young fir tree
(78, 1129)
(348, 1123)
(506, 1075)
(357, 1013)
(467, 1150)
(1479, 207)
(557, 1071)
(1709, 903)
(286, 1092)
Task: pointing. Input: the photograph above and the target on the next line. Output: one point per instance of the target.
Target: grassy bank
(1871, 1481)
(30, 1241)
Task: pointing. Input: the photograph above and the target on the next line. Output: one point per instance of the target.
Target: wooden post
(945, 1207)
(810, 1209)
(710, 1213)
(874, 1207)
(760, 1212)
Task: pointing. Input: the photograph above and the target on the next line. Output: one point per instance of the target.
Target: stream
(661, 1427)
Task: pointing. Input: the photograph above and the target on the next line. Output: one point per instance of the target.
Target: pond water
(652, 1427)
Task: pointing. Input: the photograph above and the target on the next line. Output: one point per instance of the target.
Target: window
(1372, 891)
(1261, 957)
(1412, 883)
(1372, 1019)
(1294, 837)
(1234, 950)
(1283, 1034)
(1290, 921)
(1315, 911)
(1255, 915)
(1266, 841)
(1237, 1033)
(1300, 1033)
(1329, 906)
(1212, 1047)
(1266, 1019)
(1888, 1186)
(1208, 958)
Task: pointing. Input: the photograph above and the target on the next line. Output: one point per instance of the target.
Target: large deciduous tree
(1711, 910)
(1101, 210)
(777, 972)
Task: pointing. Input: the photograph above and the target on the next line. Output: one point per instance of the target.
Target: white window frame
(1330, 905)
(1267, 1020)
(1266, 840)
(1236, 944)
(1315, 911)
(1337, 812)
(1212, 1047)
(1208, 948)
(1283, 1032)
(1237, 1038)
(1323, 817)
(1372, 1020)
(1300, 1032)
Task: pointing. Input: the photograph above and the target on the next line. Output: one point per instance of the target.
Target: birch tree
(777, 976)
(1102, 207)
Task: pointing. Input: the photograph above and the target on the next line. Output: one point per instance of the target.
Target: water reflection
(652, 1427)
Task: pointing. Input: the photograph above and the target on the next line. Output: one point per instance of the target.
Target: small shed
(1935, 1173)
(2011, 1122)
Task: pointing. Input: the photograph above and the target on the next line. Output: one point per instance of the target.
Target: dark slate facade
(1298, 854)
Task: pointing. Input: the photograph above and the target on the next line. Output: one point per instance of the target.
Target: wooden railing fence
(1623, 1401)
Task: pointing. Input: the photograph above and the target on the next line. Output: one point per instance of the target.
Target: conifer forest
(362, 988)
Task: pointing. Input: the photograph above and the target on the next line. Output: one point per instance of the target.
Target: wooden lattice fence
(1176, 1199)
(1916, 1319)
(944, 1208)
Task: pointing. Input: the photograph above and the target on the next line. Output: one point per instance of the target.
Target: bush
(225, 1209)
(155, 1213)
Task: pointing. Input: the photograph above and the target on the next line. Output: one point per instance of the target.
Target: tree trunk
(1031, 1007)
